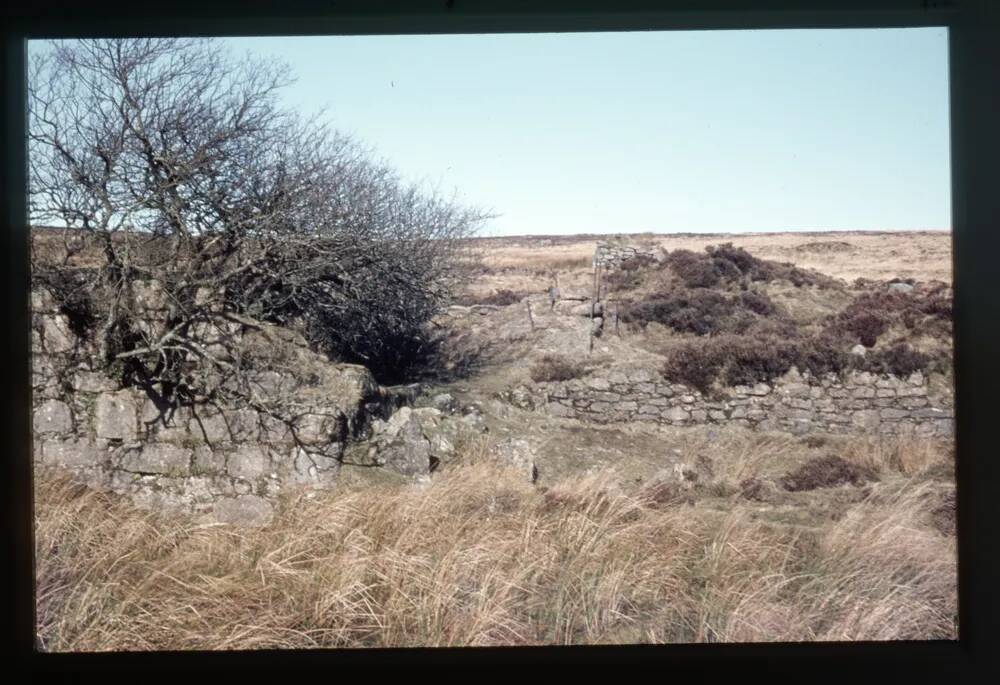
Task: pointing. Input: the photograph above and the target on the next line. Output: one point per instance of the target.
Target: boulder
(900, 287)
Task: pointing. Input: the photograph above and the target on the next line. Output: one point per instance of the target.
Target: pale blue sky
(662, 131)
(650, 131)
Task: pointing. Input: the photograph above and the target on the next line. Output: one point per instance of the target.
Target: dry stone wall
(231, 461)
(858, 402)
(609, 255)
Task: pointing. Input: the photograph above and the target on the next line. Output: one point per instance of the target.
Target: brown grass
(481, 557)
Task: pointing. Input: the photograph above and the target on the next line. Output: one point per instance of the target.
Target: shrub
(826, 472)
(872, 313)
(744, 360)
(900, 360)
(698, 273)
(693, 366)
(727, 264)
(821, 355)
(500, 298)
(697, 311)
(740, 259)
(551, 368)
(758, 303)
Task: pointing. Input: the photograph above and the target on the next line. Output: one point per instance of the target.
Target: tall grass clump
(482, 557)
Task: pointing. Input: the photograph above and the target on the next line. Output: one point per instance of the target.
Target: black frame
(974, 56)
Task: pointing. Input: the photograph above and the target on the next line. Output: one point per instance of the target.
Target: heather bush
(744, 360)
(871, 314)
(900, 359)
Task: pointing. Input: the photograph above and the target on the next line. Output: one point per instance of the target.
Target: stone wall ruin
(858, 402)
(230, 461)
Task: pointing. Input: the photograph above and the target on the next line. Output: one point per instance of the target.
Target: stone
(444, 402)
(115, 416)
(859, 350)
(894, 413)
(930, 413)
(583, 309)
(863, 393)
(598, 383)
(900, 287)
(56, 334)
(676, 414)
(160, 458)
(641, 375)
(208, 461)
(316, 428)
(72, 453)
(866, 418)
(211, 428)
(559, 410)
(794, 389)
(863, 378)
(243, 510)
(92, 381)
(249, 462)
(52, 416)
(41, 300)
(408, 451)
(519, 453)
(521, 398)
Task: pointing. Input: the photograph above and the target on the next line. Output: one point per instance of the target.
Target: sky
(647, 131)
(661, 131)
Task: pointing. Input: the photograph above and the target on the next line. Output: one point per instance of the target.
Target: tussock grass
(481, 557)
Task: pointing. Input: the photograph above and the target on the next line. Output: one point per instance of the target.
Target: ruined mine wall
(228, 460)
(856, 403)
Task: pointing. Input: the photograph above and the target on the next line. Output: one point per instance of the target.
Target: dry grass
(924, 255)
(481, 557)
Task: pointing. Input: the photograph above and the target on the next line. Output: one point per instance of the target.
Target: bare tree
(194, 206)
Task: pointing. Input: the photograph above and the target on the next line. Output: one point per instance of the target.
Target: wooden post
(593, 295)
(531, 320)
(617, 332)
